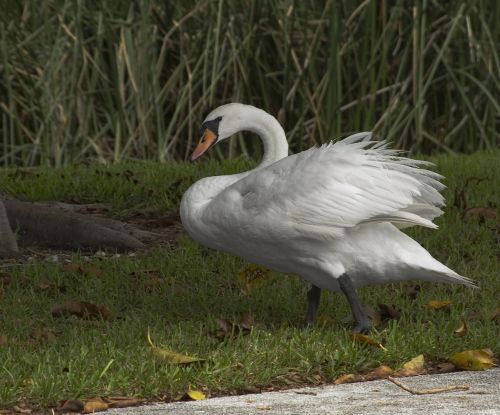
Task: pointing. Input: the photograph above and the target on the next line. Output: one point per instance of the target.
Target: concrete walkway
(377, 397)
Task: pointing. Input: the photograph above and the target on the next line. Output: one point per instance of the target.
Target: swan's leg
(313, 298)
(362, 320)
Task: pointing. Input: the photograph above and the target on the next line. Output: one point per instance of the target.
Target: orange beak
(207, 140)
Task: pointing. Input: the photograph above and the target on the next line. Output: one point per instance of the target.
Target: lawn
(179, 291)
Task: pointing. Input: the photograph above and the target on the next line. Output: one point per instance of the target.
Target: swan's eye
(212, 125)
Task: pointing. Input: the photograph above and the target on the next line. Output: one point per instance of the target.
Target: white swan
(330, 214)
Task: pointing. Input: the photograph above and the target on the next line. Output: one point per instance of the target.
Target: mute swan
(330, 214)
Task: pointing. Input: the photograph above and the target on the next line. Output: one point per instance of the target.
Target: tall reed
(113, 80)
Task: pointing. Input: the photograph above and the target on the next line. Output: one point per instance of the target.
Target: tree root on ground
(62, 226)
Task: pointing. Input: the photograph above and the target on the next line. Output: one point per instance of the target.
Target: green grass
(196, 286)
(112, 82)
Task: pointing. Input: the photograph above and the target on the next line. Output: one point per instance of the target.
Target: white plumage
(324, 213)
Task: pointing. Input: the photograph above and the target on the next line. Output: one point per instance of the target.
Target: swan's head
(220, 124)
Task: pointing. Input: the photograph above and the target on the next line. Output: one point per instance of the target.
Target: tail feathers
(448, 277)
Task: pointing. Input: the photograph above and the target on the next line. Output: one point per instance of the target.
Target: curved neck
(270, 132)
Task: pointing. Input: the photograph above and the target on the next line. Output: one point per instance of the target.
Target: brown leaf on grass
(191, 395)
(102, 403)
(389, 312)
(5, 280)
(45, 285)
(149, 278)
(438, 305)
(3, 340)
(495, 315)
(461, 330)
(22, 409)
(381, 372)
(43, 333)
(481, 213)
(247, 321)
(123, 401)
(348, 378)
(443, 367)
(82, 309)
(413, 292)
(88, 269)
(71, 405)
(473, 315)
(460, 200)
(95, 405)
(170, 356)
(227, 328)
(196, 395)
(364, 339)
(479, 359)
(413, 367)
(251, 276)
(72, 267)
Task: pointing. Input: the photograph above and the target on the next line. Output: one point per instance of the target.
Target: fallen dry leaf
(22, 409)
(43, 333)
(71, 405)
(227, 328)
(191, 395)
(82, 309)
(252, 275)
(415, 366)
(364, 339)
(247, 321)
(495, 315)
(88, 269)
(461, 330)
(102, 403)
(479, 359)
(444, 367)
(72, 267)
(196, 395)
(3, 340)
(460, 200)
(481, 213)
(123, 401)
(413, 292)
(389, 312)
(172, 357)
(149, 278)
(95, 405)
(438, 305)
(380, 372)
(45, 285)
(5, 279)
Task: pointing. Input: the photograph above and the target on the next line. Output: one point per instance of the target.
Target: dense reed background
(115, 80)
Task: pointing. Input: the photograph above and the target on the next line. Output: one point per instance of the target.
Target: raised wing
(328, 189)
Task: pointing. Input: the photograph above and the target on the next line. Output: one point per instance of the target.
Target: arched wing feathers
(341, 185)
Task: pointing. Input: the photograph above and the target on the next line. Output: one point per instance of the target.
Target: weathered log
(8, 243)
(55, 227)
